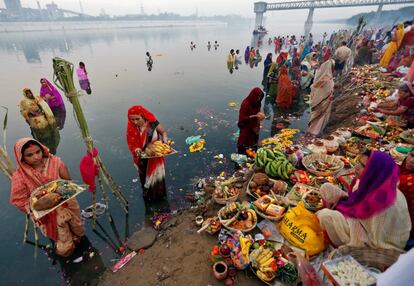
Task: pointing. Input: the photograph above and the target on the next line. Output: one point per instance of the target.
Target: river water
(188, 91)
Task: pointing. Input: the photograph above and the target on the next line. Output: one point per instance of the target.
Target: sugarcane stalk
(26, 228)
(94, 208)
(63, 78)
(105, 196)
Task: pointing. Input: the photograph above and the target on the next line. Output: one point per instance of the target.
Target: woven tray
(306, 161)
(144, 155)
(39, 214)
(379, 259)
(230, 221)
(406, 136)
(254, 195)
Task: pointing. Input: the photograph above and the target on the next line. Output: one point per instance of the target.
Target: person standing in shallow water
(36, 167)
(83, 78)
(55, 101)
(249, 121)
(143, 128)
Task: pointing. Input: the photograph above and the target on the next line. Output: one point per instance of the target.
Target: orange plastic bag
(302, 229)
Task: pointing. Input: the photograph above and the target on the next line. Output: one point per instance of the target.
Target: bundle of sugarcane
(6, 164)
(63, 78)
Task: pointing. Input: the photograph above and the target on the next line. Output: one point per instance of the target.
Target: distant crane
(80, 6)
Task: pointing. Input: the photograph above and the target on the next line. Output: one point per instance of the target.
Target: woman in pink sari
(373, 213)
(55, 101)
(143, 128)
(321, 98)
(36, 168)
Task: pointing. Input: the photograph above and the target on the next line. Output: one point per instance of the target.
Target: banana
(284, 169)
(270, 154)
(267, 263)
(53, 187)
(273, 168)
(279, 168)
(256, 253)
(267, 168)
(266, 269)
(278, 153)
(265, 258)
(262, 254)
(263, 276)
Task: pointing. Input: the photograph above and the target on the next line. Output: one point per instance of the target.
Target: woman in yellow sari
(36, 111)
(393, 46)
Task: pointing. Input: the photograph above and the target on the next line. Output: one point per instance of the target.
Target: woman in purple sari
(55, 101)
(373, 213)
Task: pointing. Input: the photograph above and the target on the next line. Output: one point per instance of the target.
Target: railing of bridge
(290, 5)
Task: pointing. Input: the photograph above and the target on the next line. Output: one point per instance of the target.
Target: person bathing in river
(36, 111)
(249, 121)
(286, 90)
(36, 167)
(143, 129)
(51, 95)
(373, 213)
(83, 78)
(247, 54)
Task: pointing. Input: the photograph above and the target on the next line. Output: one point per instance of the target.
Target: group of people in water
(374, 212)
(378, 209)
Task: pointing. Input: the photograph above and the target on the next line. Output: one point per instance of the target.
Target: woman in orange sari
(36, 168)
(143, 128)
(285, 89)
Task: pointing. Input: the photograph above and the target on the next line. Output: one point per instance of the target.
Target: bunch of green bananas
(274, 162)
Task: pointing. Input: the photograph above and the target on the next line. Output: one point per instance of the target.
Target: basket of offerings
(271, 207)
(236, 216)
(379, 259)
(312, 200)
(271, 266)
(408, 136)
(211, 225)
(52, 195)
(400, 152)
(227, 191)
(370, 131)
(298, 191)
(353, 147)
(157, 149)
(322, 164)
(260, 184)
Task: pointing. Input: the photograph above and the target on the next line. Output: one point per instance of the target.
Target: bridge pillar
(377, 17)
(309, 22)
(259, 9)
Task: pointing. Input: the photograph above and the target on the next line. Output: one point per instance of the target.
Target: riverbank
(180, 256)
(9, 27)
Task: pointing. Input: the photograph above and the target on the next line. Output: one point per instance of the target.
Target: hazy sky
(186, 7)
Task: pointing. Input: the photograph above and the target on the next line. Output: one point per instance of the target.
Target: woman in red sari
(407, 185)
(143, 128)
(249, 121)
(36, 168)
(286, 90)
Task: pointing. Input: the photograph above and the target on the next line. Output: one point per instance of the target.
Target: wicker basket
(306, 161)
(223, 201)
(225, 223)
(405, 136)
(379, 259)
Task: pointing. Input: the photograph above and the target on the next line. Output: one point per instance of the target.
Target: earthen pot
(220, 270)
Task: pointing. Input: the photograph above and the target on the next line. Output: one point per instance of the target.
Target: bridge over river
(261, 7)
